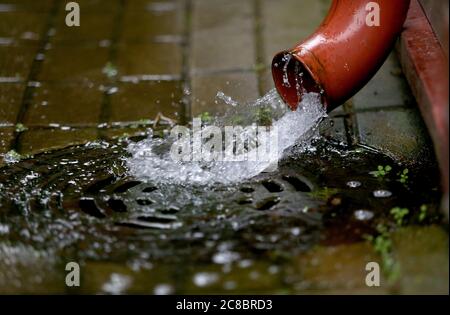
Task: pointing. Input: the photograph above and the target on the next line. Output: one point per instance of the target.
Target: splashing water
(152, 159)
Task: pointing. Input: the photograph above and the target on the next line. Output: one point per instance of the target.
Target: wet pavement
(131, 62)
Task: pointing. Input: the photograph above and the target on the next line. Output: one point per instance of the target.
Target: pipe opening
(292, 79)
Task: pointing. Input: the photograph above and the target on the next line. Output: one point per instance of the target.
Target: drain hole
(149, 225)
(171, 210)
(117, 205)
(126, 186)
(97, 186)
(272, 186)
(89, 206)
(268, 203)
(247, 190)
(149, 189)
(298, 184)
(144, 202)
(161, 220)
(245, 201)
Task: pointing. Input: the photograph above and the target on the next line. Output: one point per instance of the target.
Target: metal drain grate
(86, 193)
(93, 180)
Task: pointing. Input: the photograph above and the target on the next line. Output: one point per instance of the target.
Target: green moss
(324, 193)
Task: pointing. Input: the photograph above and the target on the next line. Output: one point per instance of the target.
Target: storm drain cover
(79, 203)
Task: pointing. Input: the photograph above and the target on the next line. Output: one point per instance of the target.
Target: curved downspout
(342, 55)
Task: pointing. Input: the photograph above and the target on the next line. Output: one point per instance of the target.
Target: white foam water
(151, 158)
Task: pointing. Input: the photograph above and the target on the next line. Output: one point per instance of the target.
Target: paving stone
(68, 63)
(266, 79)
(98, 6)
(10, 102)
(241, 87)
(65, 104)
(16, 61)
(387, 88)
(156, 6)
(287, 22)
(222, 35)
(134, 102)
(146, 25)
(93, 26)
(25, 5)
(400, 133)
(150, 58)
(129, 131)
(41, 140)
(427, 272)
(22, 25)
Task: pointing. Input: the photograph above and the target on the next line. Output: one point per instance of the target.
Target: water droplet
(117, 284)
(382, 194)
(204, 279)
(222, 258)
(363, 215)
(163, 289)
(354, 184)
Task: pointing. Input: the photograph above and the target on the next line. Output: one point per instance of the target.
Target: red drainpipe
(342, 55)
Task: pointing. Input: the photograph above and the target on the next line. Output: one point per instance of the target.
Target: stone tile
(25, 5)
(134, 102)
(93, 26)
(6, 138)
(287, 22)
(144, 26)
(387, 88)
(400, 133)
(157, 6)
(22, 25)
(41, 140)
(128, 131)
(67, 63)
(241, 87)
(149, 58)
(267, 83)
(98, 6)
(10, 102)
(16, 61)
(422, 253)
(222, 35)
(65, 104)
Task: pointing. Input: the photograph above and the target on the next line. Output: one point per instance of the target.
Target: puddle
(139, 222)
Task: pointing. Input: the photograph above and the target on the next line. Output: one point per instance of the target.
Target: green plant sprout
(14, 157)
(381, 171)
(382, 245)
(110, 70)
(404, 176)
(20, 128)
(399, 214)
(206, 118)
(264, 116)
(423, 213)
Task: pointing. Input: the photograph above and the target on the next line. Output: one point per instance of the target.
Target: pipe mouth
(292, 79)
